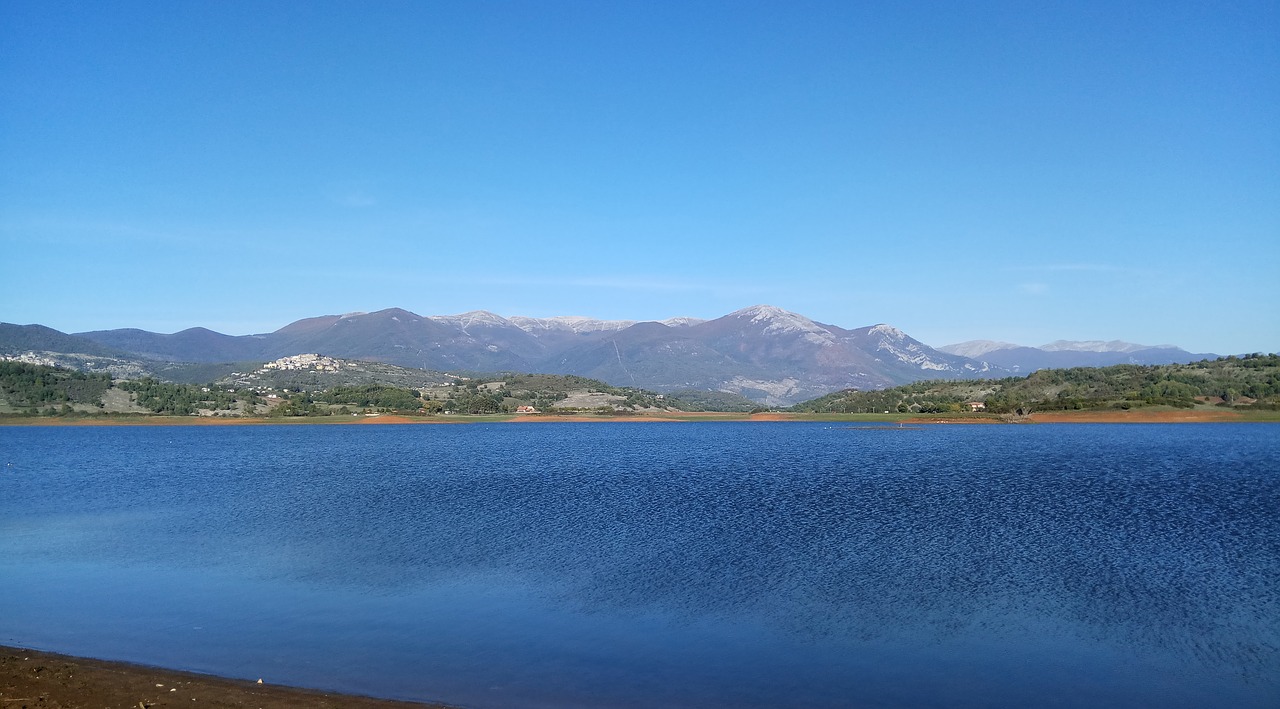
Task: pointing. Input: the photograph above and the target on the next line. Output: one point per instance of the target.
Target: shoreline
(1153, 415)
(34, 678)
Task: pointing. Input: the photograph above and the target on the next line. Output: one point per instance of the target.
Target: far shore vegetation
(1247, 385)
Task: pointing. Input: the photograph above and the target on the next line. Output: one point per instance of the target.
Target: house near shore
(526, 410)
(976, 405)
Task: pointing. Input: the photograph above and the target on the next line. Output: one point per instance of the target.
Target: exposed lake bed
(713, 564)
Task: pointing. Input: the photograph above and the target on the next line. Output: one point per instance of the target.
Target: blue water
(661, 565)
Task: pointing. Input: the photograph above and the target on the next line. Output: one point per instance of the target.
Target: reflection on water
(686, 564)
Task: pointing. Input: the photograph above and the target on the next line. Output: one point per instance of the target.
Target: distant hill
(195, 344)
(18, 339)
(37, 344)
(1064, 354)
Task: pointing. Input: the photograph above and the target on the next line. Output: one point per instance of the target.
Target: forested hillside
(187, 399)
(34, 388)
(1251, 381)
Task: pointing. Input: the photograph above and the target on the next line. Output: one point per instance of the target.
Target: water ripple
(1155, 540)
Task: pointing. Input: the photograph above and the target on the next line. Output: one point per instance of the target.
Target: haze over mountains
(1066, 353)
(764, 353)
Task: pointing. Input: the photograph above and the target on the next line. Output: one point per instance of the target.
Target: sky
(1014, 171)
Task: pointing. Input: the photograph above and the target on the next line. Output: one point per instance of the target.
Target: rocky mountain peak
(397, 314)
(772, 321)
(775, 319)
(887, 331)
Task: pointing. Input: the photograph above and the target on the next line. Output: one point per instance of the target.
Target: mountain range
(1061, 354)
(762, 352)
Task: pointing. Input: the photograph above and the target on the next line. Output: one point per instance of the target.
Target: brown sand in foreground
(30, 679)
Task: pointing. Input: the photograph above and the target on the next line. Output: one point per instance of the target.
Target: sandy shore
(381, 419)
(31, 680)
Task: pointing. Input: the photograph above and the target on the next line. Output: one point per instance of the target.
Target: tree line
(1251, 381)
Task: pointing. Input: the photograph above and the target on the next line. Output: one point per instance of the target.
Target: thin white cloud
(1034, 288)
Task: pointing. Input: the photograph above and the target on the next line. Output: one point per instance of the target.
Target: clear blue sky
(1020, 171)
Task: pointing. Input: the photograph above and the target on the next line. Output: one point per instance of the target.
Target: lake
(661, 564)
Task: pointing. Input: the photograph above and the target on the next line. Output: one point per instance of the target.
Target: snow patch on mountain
(465, 320)
(777, 321)
(682, 322)
(569, 323)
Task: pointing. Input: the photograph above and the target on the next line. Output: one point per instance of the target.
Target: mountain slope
(762, 352)
(649, 355)
(767, 354)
